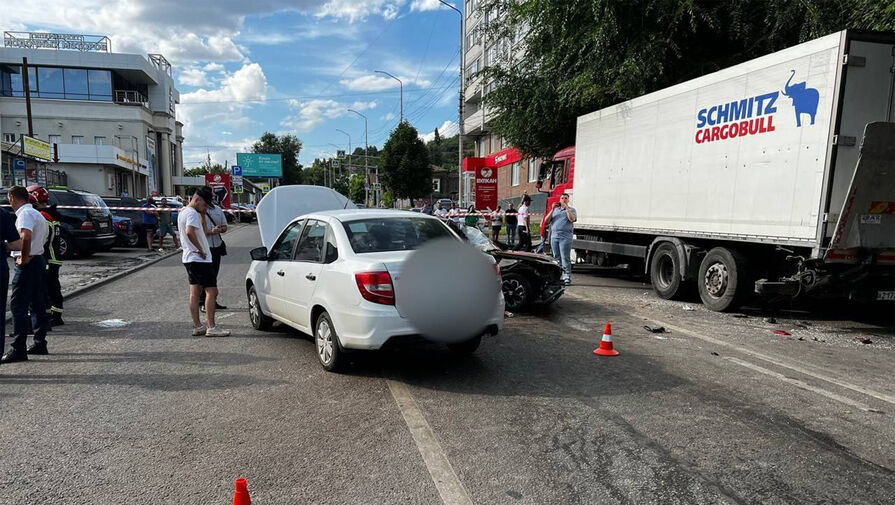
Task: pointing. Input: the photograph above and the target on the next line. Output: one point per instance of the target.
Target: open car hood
(285, 203)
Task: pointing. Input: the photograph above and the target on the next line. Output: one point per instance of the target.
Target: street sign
(237, 189)
(36, 148)
(236, 179)
(220, 186)
(340, 154)
(236, 170)
(260, 164)
(336, 164)
(265, 188)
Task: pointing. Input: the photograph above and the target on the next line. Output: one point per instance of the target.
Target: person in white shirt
(29, 287)
(197, 261)
(441, 211)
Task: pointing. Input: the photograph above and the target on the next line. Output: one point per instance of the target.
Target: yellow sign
(265, 188)
(36, 148)
(125, 159)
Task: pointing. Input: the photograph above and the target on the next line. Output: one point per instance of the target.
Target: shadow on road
(179, 358)
(149, 381)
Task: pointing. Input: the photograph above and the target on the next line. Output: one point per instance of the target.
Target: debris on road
(741, 316)
(507, 314)
(715, 354)
(817, 340)
(863, 340)
(656, 329)
(771, 320)
(783, 333)
(112, 323)
(688, 307)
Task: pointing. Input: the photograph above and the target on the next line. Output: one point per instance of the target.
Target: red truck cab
(559, 173)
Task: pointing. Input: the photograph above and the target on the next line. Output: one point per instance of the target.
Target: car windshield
(477, 238)
(393, 233)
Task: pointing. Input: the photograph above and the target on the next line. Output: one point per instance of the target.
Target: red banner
(220, 185)
(485, 188)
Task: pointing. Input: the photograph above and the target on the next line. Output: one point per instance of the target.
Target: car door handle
(281, 273)
(311, 277)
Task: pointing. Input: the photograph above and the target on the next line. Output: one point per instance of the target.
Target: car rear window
(393, 234)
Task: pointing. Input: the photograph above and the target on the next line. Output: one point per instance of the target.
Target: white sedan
(331, 275)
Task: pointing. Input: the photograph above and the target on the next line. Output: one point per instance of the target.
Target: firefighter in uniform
(40, 199)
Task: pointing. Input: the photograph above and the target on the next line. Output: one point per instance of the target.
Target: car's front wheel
(256, 315)
(327, 343)
(516, 291)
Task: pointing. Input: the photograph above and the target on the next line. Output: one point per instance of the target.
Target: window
(393, 234)
(55, 139)
(100, 141)
(77, 139)
(436, 185)
(282, 250)
(514, 173)
(532, 170)
(75, 80)
(9, 137)
(310, 249)
(100, 85)
(50, 83)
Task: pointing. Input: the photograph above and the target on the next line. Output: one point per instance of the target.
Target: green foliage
(586, 55)
(404, 164)
(443, 151)
(356, 188)
(313, 175)
(287, 145)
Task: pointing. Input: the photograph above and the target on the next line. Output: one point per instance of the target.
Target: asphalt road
(719, 410)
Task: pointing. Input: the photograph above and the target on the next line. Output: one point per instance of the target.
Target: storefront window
(50, 83)
(75, 83)
(100, 85)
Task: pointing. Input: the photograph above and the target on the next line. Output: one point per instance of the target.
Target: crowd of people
(32, 237)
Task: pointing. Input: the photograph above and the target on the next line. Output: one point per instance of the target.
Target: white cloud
(447, 129)
(388, 117)
(314, 112)
(378, 82)
(358, 10)
(192, 76)
(213, 67)
(426, 5)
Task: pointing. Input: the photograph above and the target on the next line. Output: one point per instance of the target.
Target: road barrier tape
(144, 209)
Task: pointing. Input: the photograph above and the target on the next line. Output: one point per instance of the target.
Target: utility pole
(27, 86)
(460, 107)
(401, 84)
(349, 150)
(366, 161)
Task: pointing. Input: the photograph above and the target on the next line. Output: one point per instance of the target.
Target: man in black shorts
(197, 260)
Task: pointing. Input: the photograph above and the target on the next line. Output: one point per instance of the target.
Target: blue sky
(296, 66)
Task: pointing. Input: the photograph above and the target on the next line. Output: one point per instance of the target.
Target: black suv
(84, 231)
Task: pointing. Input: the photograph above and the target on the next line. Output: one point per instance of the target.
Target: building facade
(516, 176)
(110, 117)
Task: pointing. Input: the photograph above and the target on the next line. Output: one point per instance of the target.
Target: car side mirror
(259, 254)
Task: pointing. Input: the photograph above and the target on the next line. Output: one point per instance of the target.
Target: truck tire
(724, 280)
(665, 272)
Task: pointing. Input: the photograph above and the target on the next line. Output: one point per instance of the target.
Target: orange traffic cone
(241, 496)
(605, 348)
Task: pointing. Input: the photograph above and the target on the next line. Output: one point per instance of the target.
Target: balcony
(474, 122)
(130, 97)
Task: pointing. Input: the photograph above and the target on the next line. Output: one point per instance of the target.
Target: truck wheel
(665, 272)
(723, 280)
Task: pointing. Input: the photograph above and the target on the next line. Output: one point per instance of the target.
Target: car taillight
(86, 225)
(376, 287)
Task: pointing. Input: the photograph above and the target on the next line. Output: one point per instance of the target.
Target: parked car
(527, 279)
(125, 236)
(84, 231)
(135, 215)
(329, 274)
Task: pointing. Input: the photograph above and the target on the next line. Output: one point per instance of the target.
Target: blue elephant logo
(804, 99)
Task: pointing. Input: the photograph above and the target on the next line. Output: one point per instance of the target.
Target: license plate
(104, 226)
(885, 296)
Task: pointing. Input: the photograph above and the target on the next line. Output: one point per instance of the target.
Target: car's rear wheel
(66, 246)
(467, 346)
(516, 291)
(327, 343)
(256, 315)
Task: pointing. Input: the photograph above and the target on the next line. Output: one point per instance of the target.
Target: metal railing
(130, 97)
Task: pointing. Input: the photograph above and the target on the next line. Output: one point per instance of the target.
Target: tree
(313, 175)
(207, 168)
(586, 55)
(404, 167)
(356, 188)
(287, 145)
(435, 152)
(447, 151)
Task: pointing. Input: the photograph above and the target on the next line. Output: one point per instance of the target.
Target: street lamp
(400, 83)
(366, 161)
(460, 108)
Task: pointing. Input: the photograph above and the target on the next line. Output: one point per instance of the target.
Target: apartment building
(110, 118)
(516, 176)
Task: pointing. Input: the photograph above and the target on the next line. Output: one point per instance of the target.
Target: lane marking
(784, 364)
(446, 481)
(796, 368)
(798, 383)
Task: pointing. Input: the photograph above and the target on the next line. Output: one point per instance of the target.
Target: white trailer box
(762, 152)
